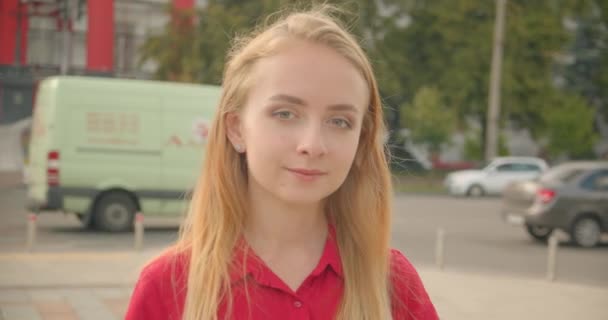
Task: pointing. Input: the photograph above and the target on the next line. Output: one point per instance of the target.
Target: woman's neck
(273, 225)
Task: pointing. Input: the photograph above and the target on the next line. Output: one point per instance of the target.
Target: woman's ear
(234, 131)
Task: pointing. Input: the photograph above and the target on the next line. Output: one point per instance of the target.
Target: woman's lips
(307, 174)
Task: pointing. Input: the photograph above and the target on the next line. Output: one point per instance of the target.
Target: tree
(428, 120)
(587, 71)
(569, 126)
(198, 54)
(448, 45)
(172, 51)
(444, 44)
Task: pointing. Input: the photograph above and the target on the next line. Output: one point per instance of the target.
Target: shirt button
(297, 304)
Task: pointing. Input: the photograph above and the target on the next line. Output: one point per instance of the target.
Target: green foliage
(198, 53)
(473, 150)
(172, 50)
(569, 123)
(587, 73)
(449, 45)
(428, 119)
(416, 44)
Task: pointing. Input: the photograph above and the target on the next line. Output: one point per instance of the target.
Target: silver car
(495, 176)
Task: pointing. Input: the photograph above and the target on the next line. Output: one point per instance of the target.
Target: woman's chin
(302, 198)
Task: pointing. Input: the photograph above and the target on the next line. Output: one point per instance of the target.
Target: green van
(106, 148)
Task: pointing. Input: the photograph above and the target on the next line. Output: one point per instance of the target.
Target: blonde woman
(290, 218)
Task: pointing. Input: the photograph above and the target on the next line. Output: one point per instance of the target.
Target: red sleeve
(410, 301)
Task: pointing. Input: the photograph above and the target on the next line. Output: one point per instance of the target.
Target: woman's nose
(312, 142)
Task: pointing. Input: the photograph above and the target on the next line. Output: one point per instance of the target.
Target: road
(477, 240)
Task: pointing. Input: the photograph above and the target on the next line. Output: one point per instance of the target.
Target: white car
(495, 177)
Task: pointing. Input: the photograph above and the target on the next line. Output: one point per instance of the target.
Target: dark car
(572, 197)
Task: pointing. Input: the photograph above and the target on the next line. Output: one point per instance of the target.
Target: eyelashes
(284, 114)
(338, 122)
(341, 123)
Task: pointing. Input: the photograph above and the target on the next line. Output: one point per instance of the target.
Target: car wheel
(539, 233)
(586, 232)
(114, 212)
(475, 191)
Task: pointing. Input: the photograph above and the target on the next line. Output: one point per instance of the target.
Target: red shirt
(159, 295)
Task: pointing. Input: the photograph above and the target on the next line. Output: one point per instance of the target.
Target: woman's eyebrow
(298, 101)
(288, 98)
(343, 107)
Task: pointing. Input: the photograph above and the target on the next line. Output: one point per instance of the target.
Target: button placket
(297, 304)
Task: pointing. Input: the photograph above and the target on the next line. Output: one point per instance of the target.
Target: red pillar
(183, 4)
(25, 26)
(13, 18)
(182, 15)
(100, 35)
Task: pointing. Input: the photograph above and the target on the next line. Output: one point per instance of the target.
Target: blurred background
(497, 120)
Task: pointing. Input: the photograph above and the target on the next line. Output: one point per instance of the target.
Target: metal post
(31, 231)
(65, 16)
(552, 256)
(66, 57)
(495, 76)
(139, 231)
(439, 248)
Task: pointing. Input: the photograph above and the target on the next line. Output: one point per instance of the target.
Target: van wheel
(539, 233)
(85, 220)
(114, 212)
(475, 191)
(586, 232)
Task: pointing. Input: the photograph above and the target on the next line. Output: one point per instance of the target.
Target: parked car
(572, 197)
(495, 176)
(106, 148)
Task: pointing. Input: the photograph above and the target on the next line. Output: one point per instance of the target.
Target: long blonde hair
(359, 209)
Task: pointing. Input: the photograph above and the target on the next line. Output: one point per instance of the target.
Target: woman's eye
(285, 115)
(341, 123)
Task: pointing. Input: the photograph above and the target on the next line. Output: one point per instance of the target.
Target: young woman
(290, 218)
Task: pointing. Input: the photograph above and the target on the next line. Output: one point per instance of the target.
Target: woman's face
(301, 122)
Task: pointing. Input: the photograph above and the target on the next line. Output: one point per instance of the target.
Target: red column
(183, 4)
(11, 13)
(182, 15)
(100, 35)
(25, 26)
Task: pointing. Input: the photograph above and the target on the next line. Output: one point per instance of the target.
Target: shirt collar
(247, 264)
(331, 255)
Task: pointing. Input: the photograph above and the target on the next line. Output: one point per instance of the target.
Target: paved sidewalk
(459, 295)
(11, 179)
(93, 285)
(64, 303)
(79, 286)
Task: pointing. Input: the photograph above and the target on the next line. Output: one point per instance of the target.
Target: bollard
(31, 232)
(554, 240)
(551, 257)
(439, 248)
(139, 231)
